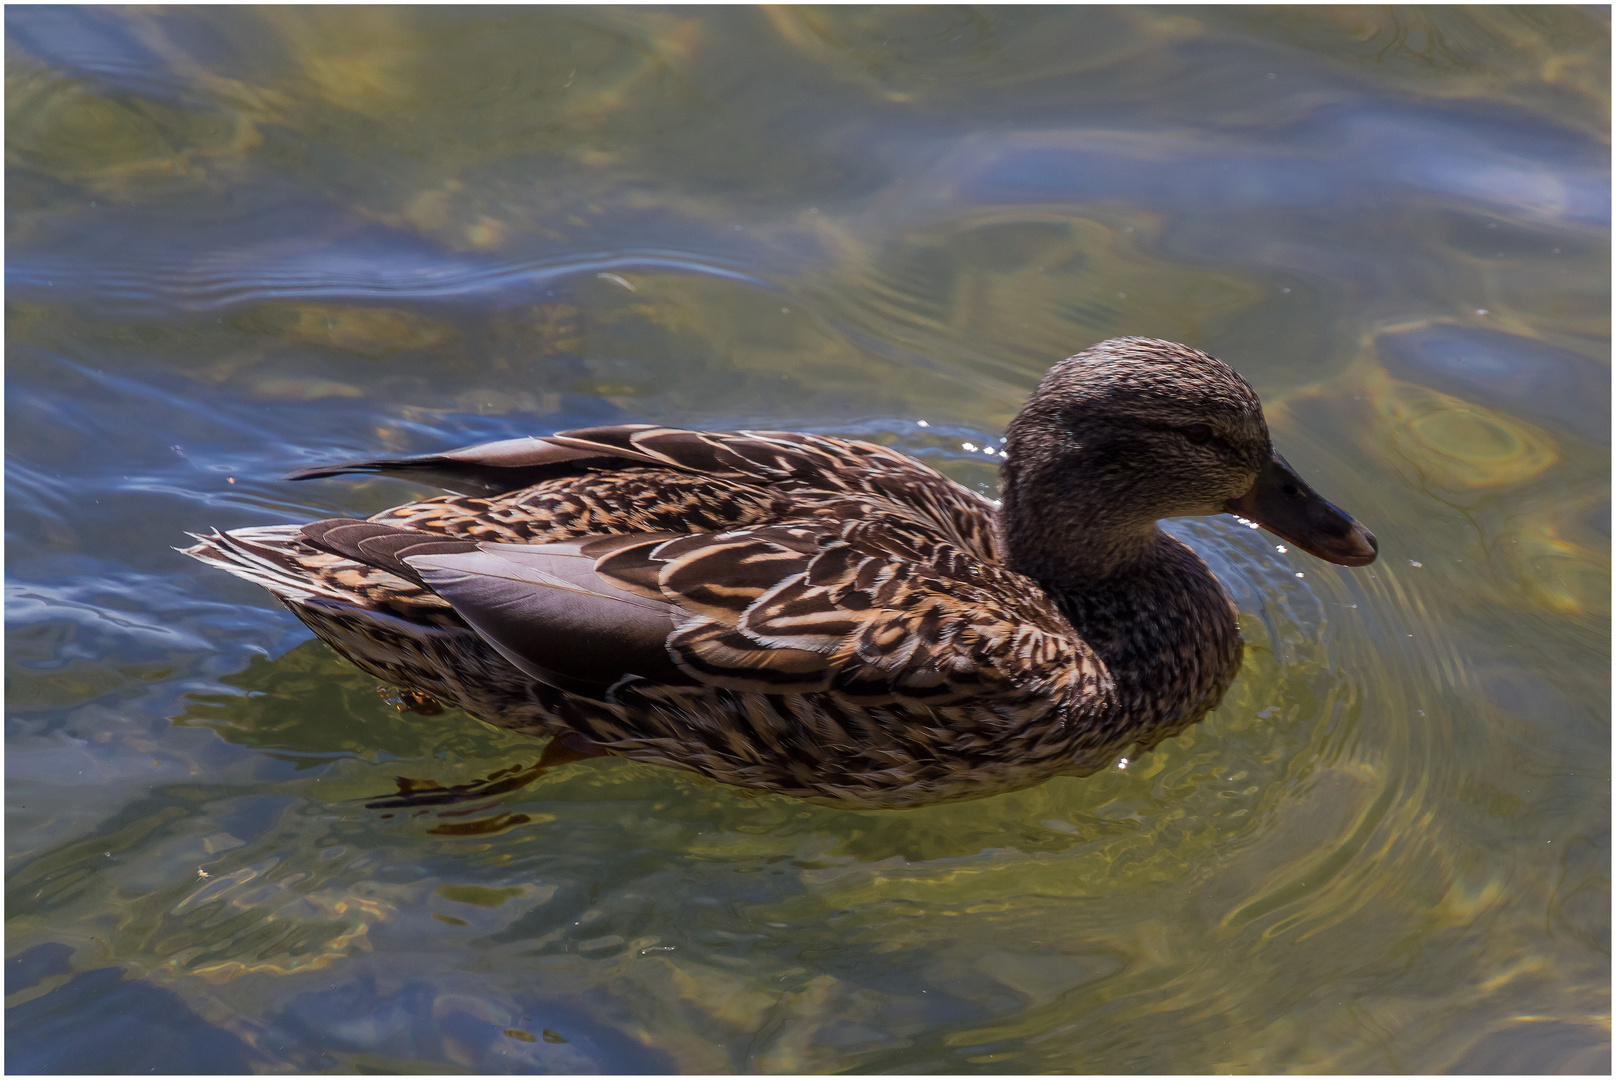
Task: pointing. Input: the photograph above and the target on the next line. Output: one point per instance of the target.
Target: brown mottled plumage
(823, 618)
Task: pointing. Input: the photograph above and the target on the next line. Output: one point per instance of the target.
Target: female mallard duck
(819, 617)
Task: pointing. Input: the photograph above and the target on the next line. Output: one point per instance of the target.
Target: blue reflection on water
(97, 46)
(382, 268)
(1508, 372)
(137, 1028)
(1347, 157)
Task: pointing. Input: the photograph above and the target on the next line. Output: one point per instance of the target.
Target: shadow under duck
(819, 617)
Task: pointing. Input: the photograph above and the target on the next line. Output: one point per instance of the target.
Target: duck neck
(1145, 603)
(1067, 547)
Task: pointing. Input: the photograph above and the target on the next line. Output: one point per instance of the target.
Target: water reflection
(244, 240)
(1522, 375)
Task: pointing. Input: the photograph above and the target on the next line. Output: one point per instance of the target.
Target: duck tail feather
(265, 556)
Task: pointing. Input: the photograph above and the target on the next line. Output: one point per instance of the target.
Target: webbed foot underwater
(819, 617)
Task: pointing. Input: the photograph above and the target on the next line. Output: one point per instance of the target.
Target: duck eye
(1199, 434)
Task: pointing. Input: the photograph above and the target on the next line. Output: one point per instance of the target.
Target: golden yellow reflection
(1558, 573)
(903, 52)
(63, 129)
(1546, 56)
(1457, 444)
(479, 896)
(273, 929)
(373, 60)
(370, 331)
(1026, 284)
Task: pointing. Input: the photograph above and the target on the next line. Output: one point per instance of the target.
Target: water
(246, 240)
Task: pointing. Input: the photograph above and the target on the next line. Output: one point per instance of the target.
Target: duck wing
(780, 462)
(874, 610)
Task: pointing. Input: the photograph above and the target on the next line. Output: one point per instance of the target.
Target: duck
(822, 618)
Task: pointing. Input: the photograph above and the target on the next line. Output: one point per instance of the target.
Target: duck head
(1133, 430)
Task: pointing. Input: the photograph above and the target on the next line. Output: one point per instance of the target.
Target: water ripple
(222, 280)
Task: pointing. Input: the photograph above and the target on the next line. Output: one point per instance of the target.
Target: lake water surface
(243, 240)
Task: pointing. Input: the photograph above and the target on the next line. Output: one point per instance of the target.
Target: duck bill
(1281, 502)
